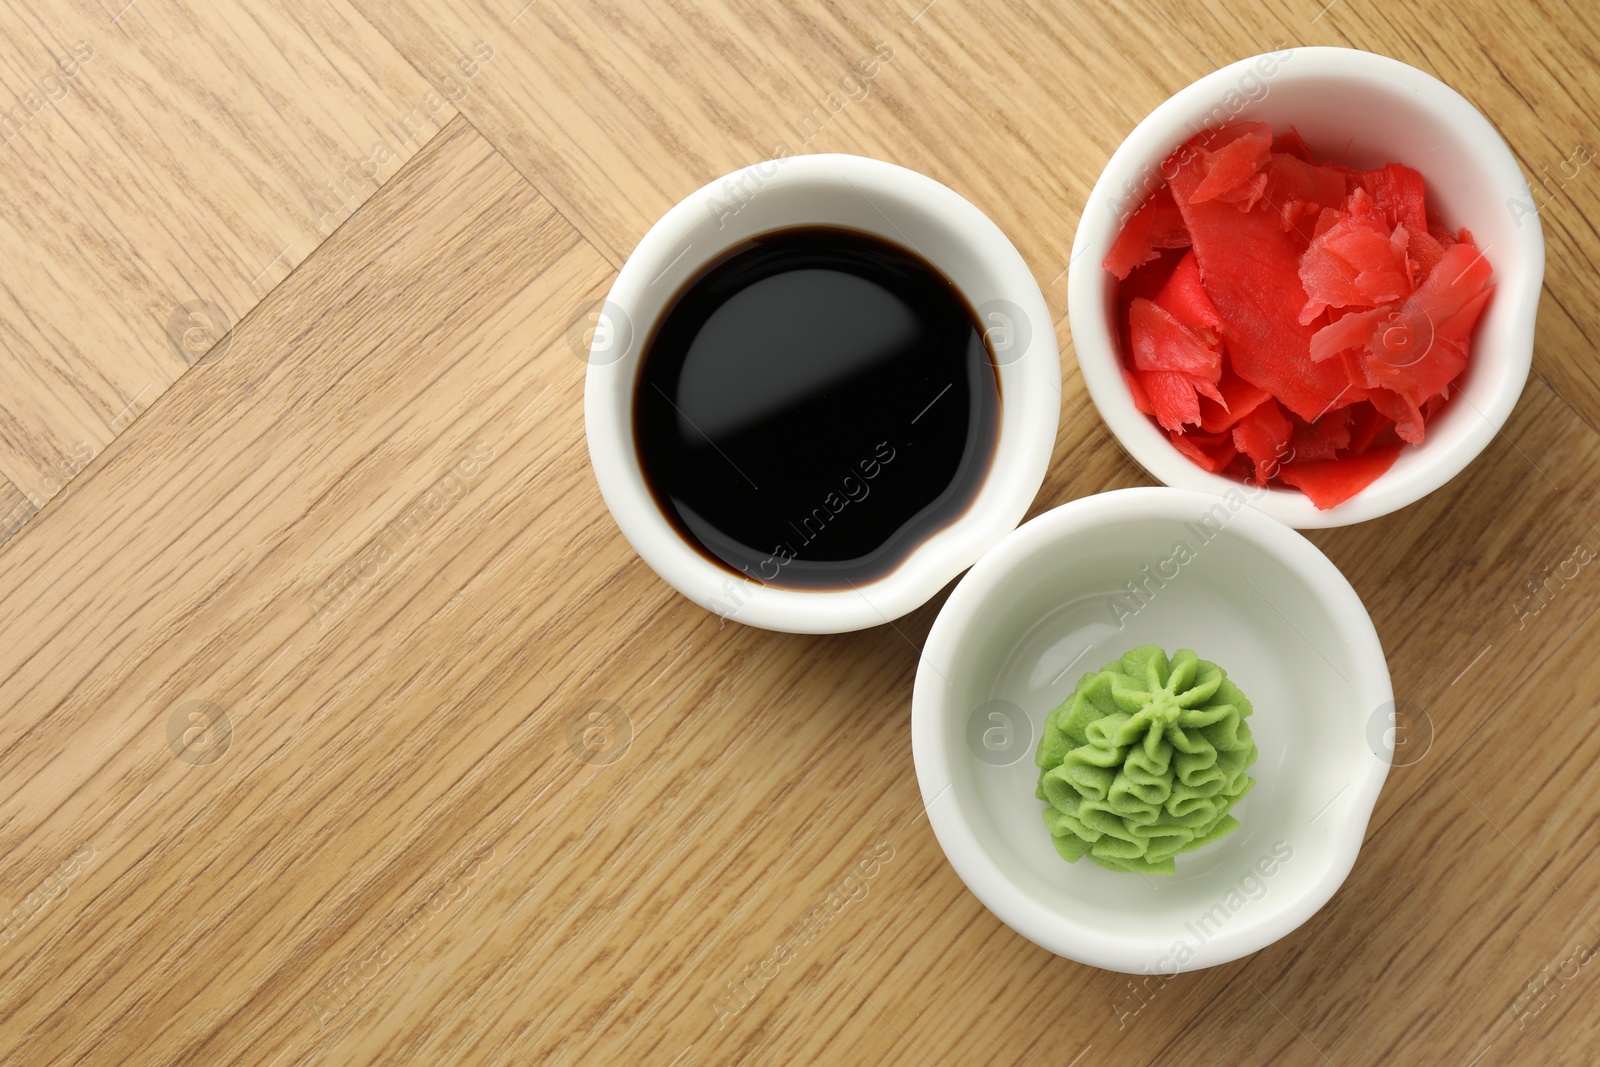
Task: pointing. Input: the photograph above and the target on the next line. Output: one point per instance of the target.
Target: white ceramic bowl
(1035, 614)
(1362, 110)
(901, 206)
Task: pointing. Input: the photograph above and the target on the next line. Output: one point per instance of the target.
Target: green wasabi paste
(1144, 761)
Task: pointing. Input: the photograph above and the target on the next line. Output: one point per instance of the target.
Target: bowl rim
(931, 709)
(1162, 131)
(1030, 406)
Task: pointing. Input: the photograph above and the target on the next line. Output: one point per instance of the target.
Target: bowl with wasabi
(1150, 727)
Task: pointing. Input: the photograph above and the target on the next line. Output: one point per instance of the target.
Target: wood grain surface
(339, 723)
(166, 164)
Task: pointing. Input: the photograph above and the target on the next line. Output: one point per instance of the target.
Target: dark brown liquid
(814, 404)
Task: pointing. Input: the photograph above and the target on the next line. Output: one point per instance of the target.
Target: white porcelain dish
(901, 206)
(1362, 110)
(1052, 602)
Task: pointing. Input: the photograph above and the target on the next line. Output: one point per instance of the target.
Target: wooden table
(340, 724)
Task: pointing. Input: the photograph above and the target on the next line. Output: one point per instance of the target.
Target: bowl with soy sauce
(820, 389)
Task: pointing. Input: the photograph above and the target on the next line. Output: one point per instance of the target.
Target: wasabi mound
(1145, 760)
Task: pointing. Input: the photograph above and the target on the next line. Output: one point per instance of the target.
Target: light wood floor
(275, 274)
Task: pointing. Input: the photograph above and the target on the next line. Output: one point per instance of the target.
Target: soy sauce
(814, 404)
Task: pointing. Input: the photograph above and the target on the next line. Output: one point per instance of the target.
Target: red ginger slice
(1323, 438)
(1424, 251)
(1173, 364)
(1263, 435)
(1366, 423)
(1454, 294)
(1155, 226)
(1184, 297)
(1141, 400)
(1298, 192)
(1398, 192)
(1359, 261)
(1330, 482)
(1405, 354)
(1291, 143)
(1239, 398)
(1172, 399)
(1162, 343)
(1231, 158)
(1214, 452)
(1402, 411)
(1251, 269)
